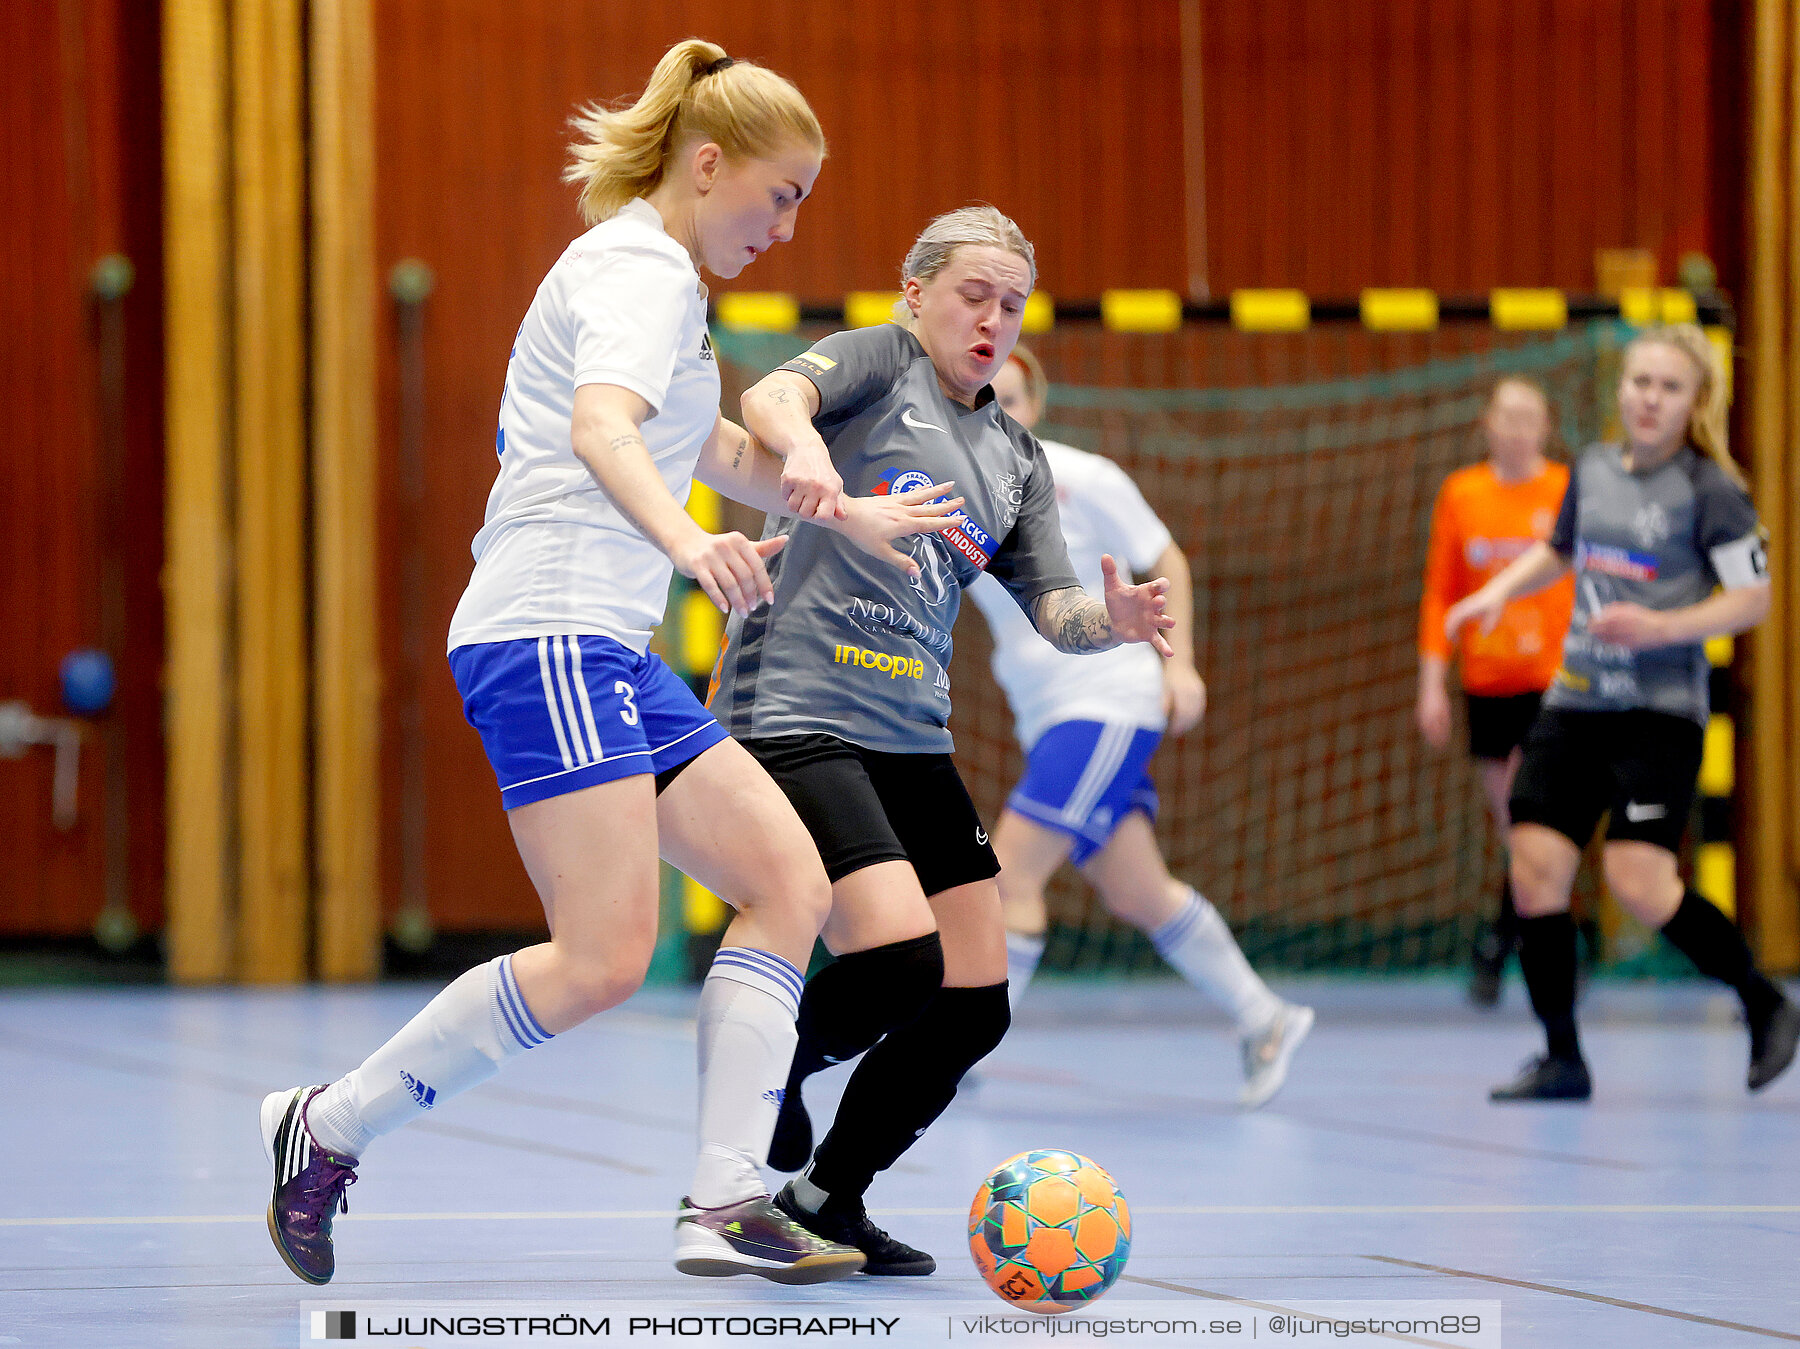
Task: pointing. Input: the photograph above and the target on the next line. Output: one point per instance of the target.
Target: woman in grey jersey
(839, 689)
(1651, 526)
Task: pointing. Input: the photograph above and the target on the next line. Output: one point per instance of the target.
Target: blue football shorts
(1083, 777)
(557, 714)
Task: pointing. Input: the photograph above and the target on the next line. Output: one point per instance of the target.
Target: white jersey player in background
(603, 756)
(1088, 725)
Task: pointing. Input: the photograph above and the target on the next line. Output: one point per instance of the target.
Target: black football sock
(1547, 957)
(1711, 940)
(848, 1006)
(905, 1083)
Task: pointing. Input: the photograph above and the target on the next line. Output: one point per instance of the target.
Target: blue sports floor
(1664, 1213)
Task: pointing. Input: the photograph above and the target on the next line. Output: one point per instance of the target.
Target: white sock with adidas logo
(461, 1038)
(746, 1038)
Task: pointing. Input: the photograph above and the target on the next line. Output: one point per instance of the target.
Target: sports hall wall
(78, 98)
(1321, 144)
(1450, 172)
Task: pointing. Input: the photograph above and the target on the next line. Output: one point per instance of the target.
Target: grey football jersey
(1661, 539)
(852, 647)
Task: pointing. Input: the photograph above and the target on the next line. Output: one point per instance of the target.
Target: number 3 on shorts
(628, 713)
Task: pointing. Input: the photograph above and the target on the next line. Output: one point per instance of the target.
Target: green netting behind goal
(1297, 472)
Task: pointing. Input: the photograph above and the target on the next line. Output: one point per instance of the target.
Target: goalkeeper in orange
(1486, 516)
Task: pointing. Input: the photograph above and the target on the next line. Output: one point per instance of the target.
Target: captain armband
(1742, 562)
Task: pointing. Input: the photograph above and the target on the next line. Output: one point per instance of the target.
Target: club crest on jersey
(964, 534)
(1651, 524)
(1611, 560)
(897, 480)
(1010, 493)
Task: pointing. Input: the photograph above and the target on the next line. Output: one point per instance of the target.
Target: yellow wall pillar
(270, 356)
(1773, 361)
(346, 662)
(197, 263)
(245, 372)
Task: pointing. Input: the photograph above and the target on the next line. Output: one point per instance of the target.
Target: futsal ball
(1049, 1230)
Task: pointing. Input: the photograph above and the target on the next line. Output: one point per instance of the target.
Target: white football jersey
(1102, 512)
(623, 305)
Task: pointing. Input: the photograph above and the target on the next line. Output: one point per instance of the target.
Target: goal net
(1297, 472)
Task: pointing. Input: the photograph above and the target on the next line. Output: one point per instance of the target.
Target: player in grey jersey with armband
(839, 689)
(1651, 526)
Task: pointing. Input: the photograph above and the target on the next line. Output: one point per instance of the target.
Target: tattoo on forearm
(1070, 620)
(738, 456)
(618, 444)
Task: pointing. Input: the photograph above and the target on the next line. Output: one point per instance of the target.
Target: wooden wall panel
(1457, 144)
(1466, 144)
(78, 82)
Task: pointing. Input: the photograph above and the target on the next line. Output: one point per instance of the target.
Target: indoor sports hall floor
(1665, 1213)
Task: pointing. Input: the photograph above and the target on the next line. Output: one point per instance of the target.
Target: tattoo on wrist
(1073, 621)
(778, 395)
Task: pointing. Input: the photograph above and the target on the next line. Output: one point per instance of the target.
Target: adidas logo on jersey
(424, 1095)
(706, 351)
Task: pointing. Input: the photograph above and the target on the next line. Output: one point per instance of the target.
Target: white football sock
(746, 1039)
(1198, 944)
(1023, 951)
(461, 1038)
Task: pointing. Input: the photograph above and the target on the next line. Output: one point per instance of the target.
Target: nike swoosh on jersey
(910, 420)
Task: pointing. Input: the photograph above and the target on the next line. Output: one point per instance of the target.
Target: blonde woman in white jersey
(602, 755)
(1089, 725)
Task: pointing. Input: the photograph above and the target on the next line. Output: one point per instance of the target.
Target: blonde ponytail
(696, 94)
(1709, 422)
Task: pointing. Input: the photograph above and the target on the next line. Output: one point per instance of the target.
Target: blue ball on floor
(87, 682)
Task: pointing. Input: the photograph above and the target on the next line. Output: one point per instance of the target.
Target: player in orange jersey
(1486, 516)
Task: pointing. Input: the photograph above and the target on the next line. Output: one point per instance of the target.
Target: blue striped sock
(761, 969)
(746, 1037)
(512, 1014)
(1199, 946)
(461, 1038)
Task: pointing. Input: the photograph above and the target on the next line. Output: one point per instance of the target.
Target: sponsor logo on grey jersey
(879, 618)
